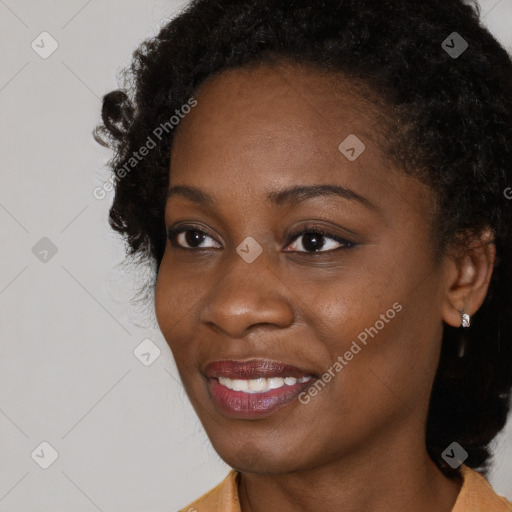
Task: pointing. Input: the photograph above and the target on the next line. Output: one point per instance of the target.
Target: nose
(246, 297)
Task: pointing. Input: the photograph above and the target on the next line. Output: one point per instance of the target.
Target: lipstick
(254, 388)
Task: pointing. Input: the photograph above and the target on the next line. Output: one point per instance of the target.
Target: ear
(469, 271)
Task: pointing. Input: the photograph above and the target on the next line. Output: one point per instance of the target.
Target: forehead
(274, 118)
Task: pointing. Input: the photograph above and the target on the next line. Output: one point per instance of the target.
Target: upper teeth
(260, 385)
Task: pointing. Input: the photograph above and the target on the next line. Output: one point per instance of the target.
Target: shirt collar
(476, 495)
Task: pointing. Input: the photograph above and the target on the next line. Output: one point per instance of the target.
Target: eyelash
(313, 230)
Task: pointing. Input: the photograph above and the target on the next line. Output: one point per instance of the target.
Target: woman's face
(249, 285)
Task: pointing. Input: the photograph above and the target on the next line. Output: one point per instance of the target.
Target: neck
(396, 476)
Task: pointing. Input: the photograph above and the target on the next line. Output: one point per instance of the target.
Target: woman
(323, 190)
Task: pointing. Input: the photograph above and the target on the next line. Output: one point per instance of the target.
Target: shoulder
(223, 497)
(477, 494)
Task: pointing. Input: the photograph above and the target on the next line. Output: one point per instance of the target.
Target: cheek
(163, 299)
(380, 323)
(340, 309)
(174, 304)
(382, 375)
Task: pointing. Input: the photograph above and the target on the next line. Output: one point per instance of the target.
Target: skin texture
(359, 445)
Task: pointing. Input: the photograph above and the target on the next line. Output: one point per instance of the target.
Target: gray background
(126, 437)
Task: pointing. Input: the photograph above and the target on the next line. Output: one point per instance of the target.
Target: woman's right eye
(190, 237)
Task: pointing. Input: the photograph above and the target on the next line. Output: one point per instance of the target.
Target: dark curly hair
(449, 125)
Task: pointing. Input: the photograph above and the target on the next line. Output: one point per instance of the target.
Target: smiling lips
(255, 388)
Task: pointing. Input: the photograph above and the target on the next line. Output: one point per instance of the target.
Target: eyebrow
(291, 196)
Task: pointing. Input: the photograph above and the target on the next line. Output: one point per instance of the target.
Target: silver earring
(465, 319)
(465, 323)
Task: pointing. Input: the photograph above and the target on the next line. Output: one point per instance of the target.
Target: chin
(250, 459)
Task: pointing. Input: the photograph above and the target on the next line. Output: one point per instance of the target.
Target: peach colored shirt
(476, 495)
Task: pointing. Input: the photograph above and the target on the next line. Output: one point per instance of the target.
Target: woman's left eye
(318, 241)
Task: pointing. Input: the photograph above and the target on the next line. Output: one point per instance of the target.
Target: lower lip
(238, 404)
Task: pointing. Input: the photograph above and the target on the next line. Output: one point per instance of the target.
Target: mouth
(255, 388)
